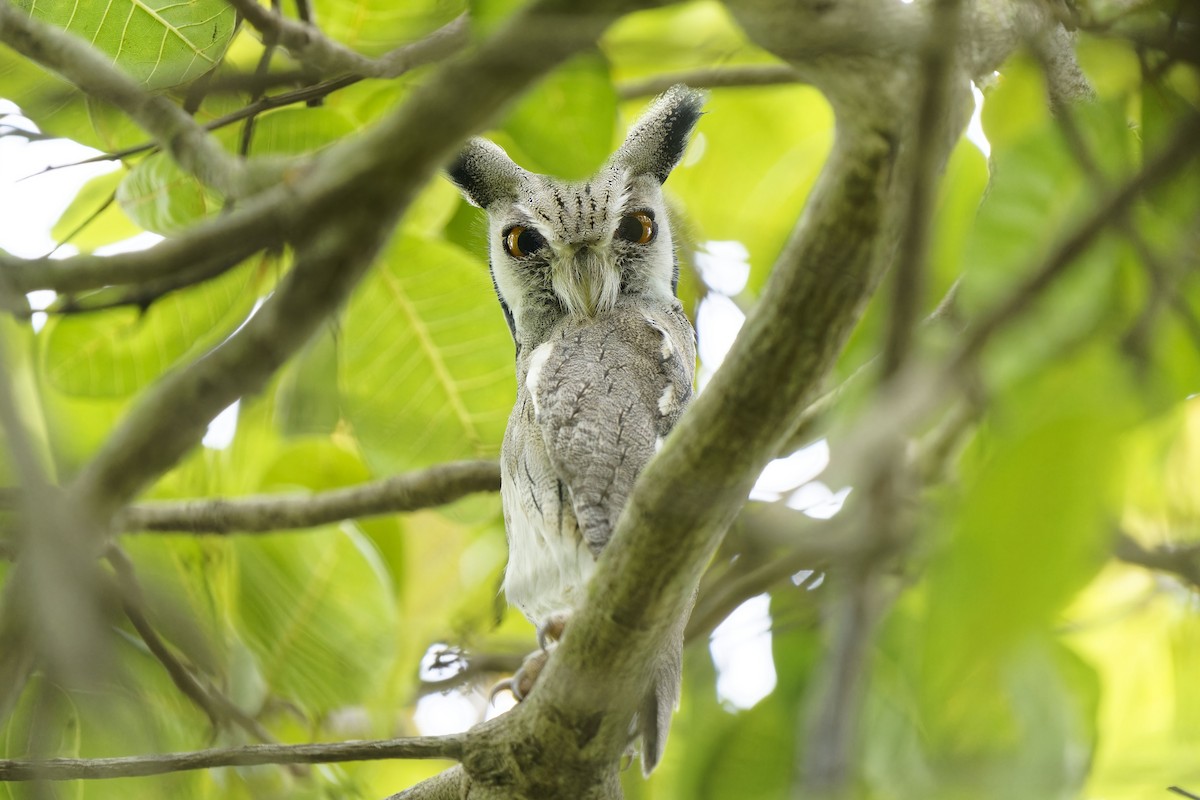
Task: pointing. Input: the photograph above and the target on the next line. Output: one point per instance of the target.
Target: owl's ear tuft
(657, 141)
(484, 173)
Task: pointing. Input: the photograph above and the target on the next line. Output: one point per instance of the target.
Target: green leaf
(18, 349)
(764, 146)
(115, 353)
(94, 219)
(1039, 191)
(1016, 105)
(677, 38)
(160, 197)
(160, 43)
(318, 612)
(426, 359)
(1032, 527)
(60, 109)
(314, 463)
(307, 400)
(1162, 109)
(187, 584)
(297, 130)
(488, 15)
(373, 27)
(576, 103)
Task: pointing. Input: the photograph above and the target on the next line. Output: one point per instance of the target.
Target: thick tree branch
(445, 786)
(264, 513)
(177, 133)
(71, 769)
(208, 249)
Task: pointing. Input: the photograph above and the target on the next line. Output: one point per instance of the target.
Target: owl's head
(558, 248)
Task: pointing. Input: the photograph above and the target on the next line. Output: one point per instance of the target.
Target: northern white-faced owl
(586, 275)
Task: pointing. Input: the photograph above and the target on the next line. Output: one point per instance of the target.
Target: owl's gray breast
(593, 404)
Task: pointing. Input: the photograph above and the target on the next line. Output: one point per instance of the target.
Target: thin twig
(218, 708)
(749, 75)
(808, 546)
(476, 664)
(438, 45)
(324, 56)
(434, 486)
(269, 103)
(72, 769)
(92, 217)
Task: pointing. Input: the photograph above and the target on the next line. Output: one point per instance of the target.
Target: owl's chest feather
(548, 562)
(594, 402)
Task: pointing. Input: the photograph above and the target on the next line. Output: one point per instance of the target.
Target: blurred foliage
(1019, 659)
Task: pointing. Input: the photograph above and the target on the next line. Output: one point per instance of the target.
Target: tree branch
(71, 769)
(305, 43)
(444, 786)
(215, 245)
(938, 76)
(1182, 561)
(210, 248)
(190, 145)
(264, 513)
(749, 75)
(216, 706)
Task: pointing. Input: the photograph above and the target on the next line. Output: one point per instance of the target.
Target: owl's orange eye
(637, 227)
(520, 241)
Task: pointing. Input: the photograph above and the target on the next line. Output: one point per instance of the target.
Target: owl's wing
(606, 392)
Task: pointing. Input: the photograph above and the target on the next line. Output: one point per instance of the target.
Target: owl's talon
(552, 629)
(521, 683)
(509, 684)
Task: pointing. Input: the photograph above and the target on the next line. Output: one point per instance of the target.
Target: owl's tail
(654, 717)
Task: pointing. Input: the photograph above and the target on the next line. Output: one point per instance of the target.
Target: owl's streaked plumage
(586, 276)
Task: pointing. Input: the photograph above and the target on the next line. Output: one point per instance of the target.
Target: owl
(586, 275)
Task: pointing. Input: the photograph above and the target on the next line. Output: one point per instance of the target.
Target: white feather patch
(668, 349)
(536, 362)
(666, 403)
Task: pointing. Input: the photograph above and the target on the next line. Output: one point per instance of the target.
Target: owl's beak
(586, 281)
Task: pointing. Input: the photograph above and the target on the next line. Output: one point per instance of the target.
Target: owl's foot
(521, 684)
(552, 629)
